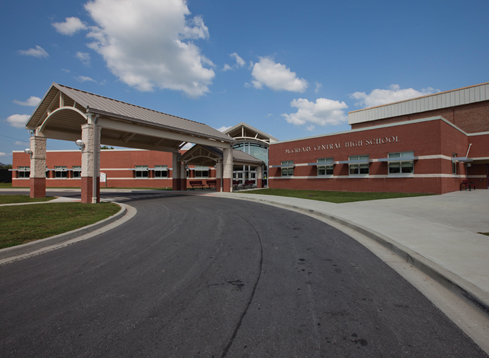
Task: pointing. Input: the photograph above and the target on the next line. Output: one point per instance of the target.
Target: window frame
(201, 172)
(288, 170)
(60, 172)
(161, 169)
(358, 167)
(328, 167)
(400, 163)
(454, 164)
(76, 169)
(143, 169)
(23, 170)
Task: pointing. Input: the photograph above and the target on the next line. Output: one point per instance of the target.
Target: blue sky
(290, 68)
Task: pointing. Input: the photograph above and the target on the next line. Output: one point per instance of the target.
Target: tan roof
(93, 103)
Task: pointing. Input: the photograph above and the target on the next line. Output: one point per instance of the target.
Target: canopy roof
(208, 156)
(64, 109)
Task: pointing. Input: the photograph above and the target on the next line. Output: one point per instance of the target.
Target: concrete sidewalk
(438, 234)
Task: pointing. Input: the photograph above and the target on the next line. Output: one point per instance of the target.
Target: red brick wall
(109, 159)
(430, 138)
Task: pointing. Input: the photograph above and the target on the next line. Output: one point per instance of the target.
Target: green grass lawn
(332, 196)
(25, 223)
(5, 185)
(14, 199)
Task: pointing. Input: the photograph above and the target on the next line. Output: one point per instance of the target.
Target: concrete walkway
(438, 234)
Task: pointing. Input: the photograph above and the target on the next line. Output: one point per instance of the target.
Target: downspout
(467, 167)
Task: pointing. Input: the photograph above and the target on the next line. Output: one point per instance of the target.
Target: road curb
(33, 246)
(453, 282)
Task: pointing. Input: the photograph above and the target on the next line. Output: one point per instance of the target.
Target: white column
(175, 173)
(90, 163)
(227, 170)
(38, 167)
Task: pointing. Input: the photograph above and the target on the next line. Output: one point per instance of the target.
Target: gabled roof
(86, 102)
(245, 131)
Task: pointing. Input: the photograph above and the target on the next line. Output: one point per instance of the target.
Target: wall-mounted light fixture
(28, 151)
(80, 143)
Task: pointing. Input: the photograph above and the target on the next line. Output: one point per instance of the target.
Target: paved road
(194, 276)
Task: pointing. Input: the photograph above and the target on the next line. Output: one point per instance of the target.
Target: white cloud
(2, 154)
(32, 101)
(276, 76)
(322, 112)
(38, 52)
(146, 44)
(71, 26)
(318, 87)
(394, 94)
(21, 143)
(84, 57)
(223, 128)
(18, 120)
(239, 62)
(84, 79)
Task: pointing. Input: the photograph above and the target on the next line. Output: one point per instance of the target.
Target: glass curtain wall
(246, 172)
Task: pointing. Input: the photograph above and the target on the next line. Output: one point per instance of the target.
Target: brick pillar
(259, 175)
(175, 173)
(227, 184)
(90, 174)
(38, 167)
(218, 175)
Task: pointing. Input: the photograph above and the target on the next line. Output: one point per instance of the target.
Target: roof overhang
(64, 110)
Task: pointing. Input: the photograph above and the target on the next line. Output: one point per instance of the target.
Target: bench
(196, 183)
(467, 184)
(249, 183)
(235, 184)
(211, 183)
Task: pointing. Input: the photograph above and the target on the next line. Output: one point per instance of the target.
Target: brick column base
(38, 187)
(175, 184)
(226, 185)
(218, 184)
(259, 183)
(87, 190)
(183, 184)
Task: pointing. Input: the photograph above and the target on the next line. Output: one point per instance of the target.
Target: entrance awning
(64, 109)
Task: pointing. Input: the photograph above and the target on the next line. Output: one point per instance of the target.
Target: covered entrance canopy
(91, 120)
(203, 155)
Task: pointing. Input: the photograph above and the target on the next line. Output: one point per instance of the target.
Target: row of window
(141, 171)
(59, 172)
(398, 163)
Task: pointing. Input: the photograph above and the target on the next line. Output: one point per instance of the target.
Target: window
(76, 171)
(141, 171)
(60, 172)
(201, 171)
(24, 172)
(287, 168)
(326, 167)
(402, 166)
(360, 168)
(161, 171)
(454, 164)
